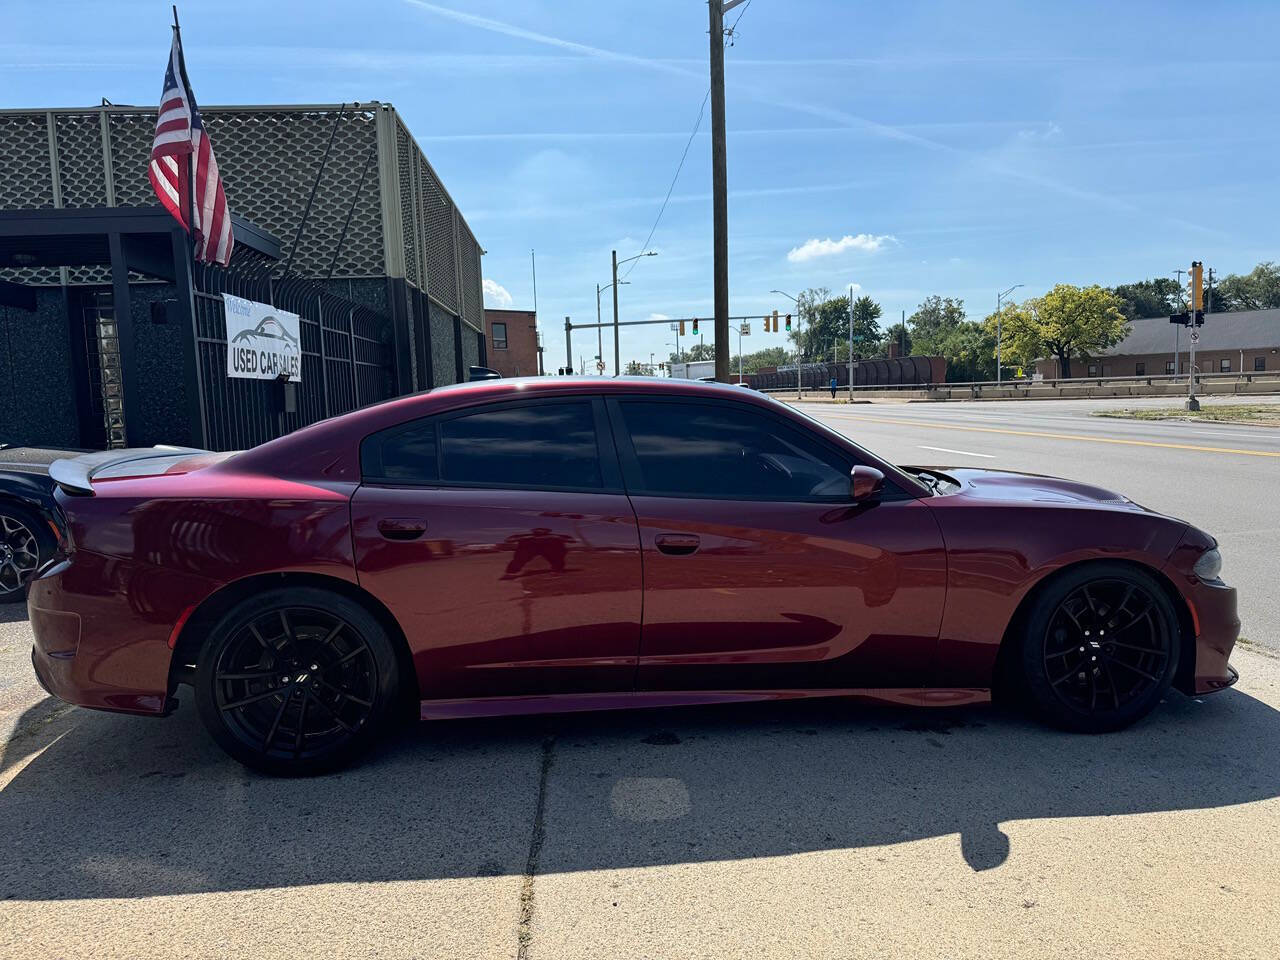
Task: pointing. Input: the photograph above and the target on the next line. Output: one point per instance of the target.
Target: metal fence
(876, 372)
(347, 358)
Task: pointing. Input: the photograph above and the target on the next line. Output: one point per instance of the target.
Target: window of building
(1168, 367)
(1259, 363)
(1093, 369)
(1224, 365)
(714, 450)
(527, 445)
(1139, 369)
(499, 336)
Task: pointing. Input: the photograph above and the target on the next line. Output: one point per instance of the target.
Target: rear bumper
(101, 629)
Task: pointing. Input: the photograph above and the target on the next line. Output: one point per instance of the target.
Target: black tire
(297, 681)
(23, 532)
(1100, 648)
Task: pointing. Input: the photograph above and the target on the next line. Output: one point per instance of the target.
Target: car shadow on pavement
(113, 806)
(13, 612)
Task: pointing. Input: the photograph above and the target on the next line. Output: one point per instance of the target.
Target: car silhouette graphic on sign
(263, 342)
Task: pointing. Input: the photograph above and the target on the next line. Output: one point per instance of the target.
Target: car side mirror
(865, 484)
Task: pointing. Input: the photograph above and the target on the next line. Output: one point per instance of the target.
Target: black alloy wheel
(1101, 648)
(296, 681)
(20, 550)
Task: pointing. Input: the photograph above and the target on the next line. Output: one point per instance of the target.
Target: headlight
(1209, 566)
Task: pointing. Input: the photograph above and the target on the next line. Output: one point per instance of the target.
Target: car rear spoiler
(74, 474)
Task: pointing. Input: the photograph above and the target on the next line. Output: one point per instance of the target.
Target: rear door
(500, 538)
(760, 573)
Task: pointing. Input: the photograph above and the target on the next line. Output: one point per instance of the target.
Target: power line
(729, 34)
(680, 166)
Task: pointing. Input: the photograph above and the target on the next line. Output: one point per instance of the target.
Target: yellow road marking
(1068, 436)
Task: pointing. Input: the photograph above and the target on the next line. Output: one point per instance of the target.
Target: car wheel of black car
(1100, 648)
(25, 542)
(298, 681)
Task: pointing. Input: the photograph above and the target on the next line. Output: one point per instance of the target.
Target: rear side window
(543, 445)
(533, 445)
(403, 455)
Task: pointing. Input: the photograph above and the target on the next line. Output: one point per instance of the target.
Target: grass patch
(1267, 415)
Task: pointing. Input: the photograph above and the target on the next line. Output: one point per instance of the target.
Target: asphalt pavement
(822, 829)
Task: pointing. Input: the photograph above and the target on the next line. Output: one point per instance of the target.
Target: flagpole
(191, 157)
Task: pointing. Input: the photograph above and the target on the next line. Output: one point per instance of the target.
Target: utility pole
(1177, 330)
(599, 330)
(617, 371)
(1197, 278)
(568, 344)
(999, 338)
(851, 343)
(719, 187)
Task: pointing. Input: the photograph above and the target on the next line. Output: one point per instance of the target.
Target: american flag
(182, 147)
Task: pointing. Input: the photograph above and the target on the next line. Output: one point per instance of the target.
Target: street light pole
(999, 333)
(616, 261)
(799, 364)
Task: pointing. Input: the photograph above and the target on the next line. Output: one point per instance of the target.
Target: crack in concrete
(525, 928)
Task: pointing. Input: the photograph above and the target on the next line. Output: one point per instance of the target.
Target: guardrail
(1261, 381)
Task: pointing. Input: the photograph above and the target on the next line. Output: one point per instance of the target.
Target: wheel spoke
(302, 719)
(254, 698)
(320, 702)
(1128, 666)
(1111, 682)
(348, 656)
(1155, 651)
(266, 644)
(248, 675)
(346, 696)
(275, 723)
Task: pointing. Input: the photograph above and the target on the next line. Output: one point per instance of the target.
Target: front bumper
(1217, 626)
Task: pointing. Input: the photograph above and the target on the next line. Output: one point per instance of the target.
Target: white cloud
(1041, 134)
(866, 242)
(495, 294)
(658, 317)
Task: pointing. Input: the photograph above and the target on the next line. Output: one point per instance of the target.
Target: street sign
(1195, 336)
(745, 329)
(599, 366)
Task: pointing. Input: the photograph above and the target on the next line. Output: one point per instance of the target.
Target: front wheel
(1100, 648)
(296, 681)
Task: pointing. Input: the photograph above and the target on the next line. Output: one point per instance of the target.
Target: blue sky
(959, 147)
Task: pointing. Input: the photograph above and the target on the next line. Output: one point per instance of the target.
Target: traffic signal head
(682, 328)
(1197, 285)
(775, 321)
(695, 326)
(788, 323)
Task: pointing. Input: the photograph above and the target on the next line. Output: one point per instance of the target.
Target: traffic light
(775, 323)
(682, 328)
(1197, 285)
(695, 326)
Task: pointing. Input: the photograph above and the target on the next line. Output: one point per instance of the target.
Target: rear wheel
(24, 541)
(1100, 648)
(296, 681)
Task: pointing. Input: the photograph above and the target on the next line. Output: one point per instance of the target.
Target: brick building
(513, 342)
(1247, 341)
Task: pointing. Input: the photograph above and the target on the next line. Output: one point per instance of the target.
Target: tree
(824, 323)
(970, 350)
(699, 351)
(637, 369)
(934, 321)
(1259, 289)
(1066, 322)
(1158, 297)
(900, 336)
(752, 362)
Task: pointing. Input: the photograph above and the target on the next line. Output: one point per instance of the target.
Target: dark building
(384, 273)
(1244, 341)
(512, 339)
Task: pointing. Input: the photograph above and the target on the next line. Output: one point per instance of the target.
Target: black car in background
(28, 533)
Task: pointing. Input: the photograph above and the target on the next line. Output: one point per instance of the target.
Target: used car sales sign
(263, 342)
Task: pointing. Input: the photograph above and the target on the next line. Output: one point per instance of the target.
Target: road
(1224, 478)
(770, 830)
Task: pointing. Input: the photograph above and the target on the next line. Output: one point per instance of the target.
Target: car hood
(1005, 486)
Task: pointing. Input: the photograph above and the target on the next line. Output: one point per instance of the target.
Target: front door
(500, 539)
(760, 573)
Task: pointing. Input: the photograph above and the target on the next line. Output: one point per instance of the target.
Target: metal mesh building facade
(405, 248)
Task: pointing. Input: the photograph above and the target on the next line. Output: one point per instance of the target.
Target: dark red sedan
(514, 547)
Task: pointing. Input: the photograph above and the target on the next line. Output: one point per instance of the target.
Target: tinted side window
(403, 455)
(713, 450)
(535, 445)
